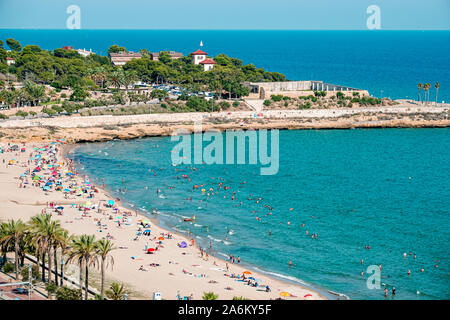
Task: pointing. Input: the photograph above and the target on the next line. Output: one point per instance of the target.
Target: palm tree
(420, 88)
(65, 240)
(36, 92)
(5, 246)
(47, 233)
(436, 85)
(210, 296)
(40, 241)
(104, 248)
(84, 252)
(116, 79)
(425, 87)
(12, 234)
(116, 291)
(129, 77)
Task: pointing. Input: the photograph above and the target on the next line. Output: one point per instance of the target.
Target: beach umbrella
(247, 272)
(60, 208)
(35, 178)
(147, 230)
(111, 202)
(161, 238)
(150, 250)
(46, 188)
(285, 294)
(183, 244)
(146, 222)
(66, 190)
(307, 295)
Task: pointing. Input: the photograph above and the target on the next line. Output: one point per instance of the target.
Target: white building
(84, 52)
(199, 57)
(208, 64)
(10, 61)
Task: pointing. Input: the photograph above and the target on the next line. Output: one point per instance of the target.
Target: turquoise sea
(384, 188)
(387, 63)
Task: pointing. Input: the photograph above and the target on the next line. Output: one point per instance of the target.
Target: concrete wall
(295, 88)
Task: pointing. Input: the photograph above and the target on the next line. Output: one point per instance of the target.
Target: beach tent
(183, 244)
(150, 250)
(60, 208)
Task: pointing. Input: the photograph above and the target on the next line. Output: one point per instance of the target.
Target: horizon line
(199, 29)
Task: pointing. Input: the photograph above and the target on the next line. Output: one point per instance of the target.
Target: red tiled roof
(8, 58)
(208, 61)
(198, 52)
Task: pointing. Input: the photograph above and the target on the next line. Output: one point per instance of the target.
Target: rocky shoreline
(105, 128)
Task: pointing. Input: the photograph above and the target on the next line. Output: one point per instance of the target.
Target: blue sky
(226, 14)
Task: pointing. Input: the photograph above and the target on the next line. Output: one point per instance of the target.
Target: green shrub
(236, 104)
(3, 116)
(225, 105)
(339, 95)
(57, 108)
(8, 267)
(239, 298)
(51, 287)
(209, 296)
(34, 273)
(276, 97)
(48, 111)
(21, 114)
(65, 293)
(267, 103)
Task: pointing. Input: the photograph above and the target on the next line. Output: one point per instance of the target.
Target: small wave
(282, 276)
(197, 225)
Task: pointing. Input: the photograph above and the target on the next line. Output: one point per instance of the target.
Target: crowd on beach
(46, 170)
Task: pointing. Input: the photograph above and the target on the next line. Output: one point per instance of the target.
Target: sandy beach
(171, 270)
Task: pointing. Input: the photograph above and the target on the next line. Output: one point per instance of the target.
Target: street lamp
(30, 281)
(62, 271)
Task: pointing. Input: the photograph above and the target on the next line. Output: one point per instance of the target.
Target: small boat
(187, 220)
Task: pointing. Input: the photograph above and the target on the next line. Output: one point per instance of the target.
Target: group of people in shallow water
(209, 191)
